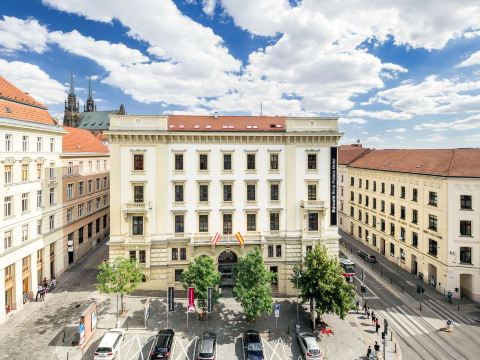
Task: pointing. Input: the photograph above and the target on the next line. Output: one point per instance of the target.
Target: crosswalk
(405, 322)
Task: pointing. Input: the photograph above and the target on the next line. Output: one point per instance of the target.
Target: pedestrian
(365, 307)
(45, 282)
(373, 317)
(39, 292)
(377, 325)
(368, 314)
(376, 347)
(358, 306)
(369, 352)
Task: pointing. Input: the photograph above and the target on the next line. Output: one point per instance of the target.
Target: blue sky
(398, 74)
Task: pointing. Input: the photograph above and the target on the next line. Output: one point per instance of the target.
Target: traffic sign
(277, 310)
(449, 322)
(171, 298)
(210, 299)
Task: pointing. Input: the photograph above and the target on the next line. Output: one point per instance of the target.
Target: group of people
(45, 286)
(371, 354)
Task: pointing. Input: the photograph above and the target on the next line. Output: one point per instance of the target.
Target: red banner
(191, 299)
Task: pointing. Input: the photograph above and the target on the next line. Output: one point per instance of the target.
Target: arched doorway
(226, 265)
(466, 286)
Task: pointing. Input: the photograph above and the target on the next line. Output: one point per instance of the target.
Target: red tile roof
(226, 123)
(10, 92)
(81, 141)
(348, 153)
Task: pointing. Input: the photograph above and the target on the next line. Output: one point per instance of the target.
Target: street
(392, 294)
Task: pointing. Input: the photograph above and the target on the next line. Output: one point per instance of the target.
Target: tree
(120, 277)
(202, 274)
(321, 278)
(253, 285)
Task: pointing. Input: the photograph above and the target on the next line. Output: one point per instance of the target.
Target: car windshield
(162, 341)
(349, 269)
(104, 350)
(254, 346)
(314, 351)
(206, 348)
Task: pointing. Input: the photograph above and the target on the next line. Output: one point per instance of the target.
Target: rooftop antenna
(261, 108)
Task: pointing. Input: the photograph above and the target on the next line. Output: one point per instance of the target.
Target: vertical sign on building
(333, 186)
(171, 299)
(210, 299)
(191, 299)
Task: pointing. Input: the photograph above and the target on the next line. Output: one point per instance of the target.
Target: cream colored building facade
(427, 223)
(178, 180)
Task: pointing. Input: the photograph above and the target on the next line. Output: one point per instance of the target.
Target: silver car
(309, 347)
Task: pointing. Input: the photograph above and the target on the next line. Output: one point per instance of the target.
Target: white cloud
(32, 79)
(473, 59)
(433, 138)
(469, 123)
(17, 34)
(381, 115)
(374, 139)
(358, 121)
(398, 130)
(399, 137)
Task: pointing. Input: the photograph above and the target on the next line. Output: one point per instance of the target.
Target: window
(366, 200)
(203, 164)
(90, 230)
(392, 190)
(270, 251)
(352, 181)
(70, 214)
(251, 192)
(25, 202)
(251, 222)
(382, 225)
(39, 144)
(141, 257)
(69, 191)
(273, 161)
(90, 168)
(382, 206)
(178, 193)
(97, 165)
(138, 193)
(250, 161)
(89, 206)
(465, 228)
(24, 172)
(52, 144)
(227, 224)
(105, 200)
(51, 222)
(432, 247)
(97, 201)
(227, 161)
(374, 221)
(202, 223)
(8, 143)
(359, 215)
(432, 198)
(383, 188)
(133, 255)
(366, 184)
(359, 198)
(392, 249)
(70, 168)
(97, 226)
(104, 221)
(24, 143)
(7, 239)
(466, 255)
(178, 162)
(374, 186)
(24, 232)
(90, 185)
(351, 211)
(312, 221)
(81, 188)
(137, 225)
(374, 240)
(39, 171)
(227, 192)
(414, 239)
(39, 227)
(312, 192)
(274, 192)
(308, 248)
(8, 174)
(183, 253)
(432, 222)
(203, 192)
(97, 181)
(138, 162)
(179, 223)
(374, 204)
(312, 162)
(105, 182)
(360, 232)
(274, 221)
(466, 202)
(402, 212)
(366, 218)
(7, 206)
(392, 229)
(402, 234)
(402, 192)
(352, 196)
(278, 250)
(80, 167)
(80, 210)
(178, 275)
(415, 216)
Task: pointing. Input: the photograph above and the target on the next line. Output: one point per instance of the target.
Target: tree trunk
(122, 310)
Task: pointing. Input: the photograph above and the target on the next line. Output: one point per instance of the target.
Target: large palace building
(179, 183)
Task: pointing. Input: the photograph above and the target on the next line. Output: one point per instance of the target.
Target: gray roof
(95, 120)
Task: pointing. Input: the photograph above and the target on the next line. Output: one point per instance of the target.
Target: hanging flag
(240, 238)
(191, 299)
(216, 238)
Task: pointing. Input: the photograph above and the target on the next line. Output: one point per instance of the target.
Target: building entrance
(226, 265)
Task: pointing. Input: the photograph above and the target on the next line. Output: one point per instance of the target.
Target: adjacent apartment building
(419, 208)
(180, 183)
(85, 191)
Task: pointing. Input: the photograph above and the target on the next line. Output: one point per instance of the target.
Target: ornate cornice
(9, 160)
(26, 160)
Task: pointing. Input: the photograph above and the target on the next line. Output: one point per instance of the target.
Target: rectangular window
(466, 255)
(352, 196)
(251, 192)
(133, 255)
(25, 202)
(274, 221)
(382, 206)
(227, 192)
(97, 226)
(359, 198)
(24, 232)
(270, 251)
(402, 234)
(374, 221)
(98, 185)
(178, 162)
(104, 221)
(178, 193)
(203, 162)
(70, 214)
(278, 250)
(366, 184)
(51, 222)
(432, 247)
(312, 192)
(89, 206)
(202, 223)
(227, 161)
(105, 200)
(178, 275)
(465, 228)
(81, 188)
(203, 192)
(179, 224)
(312, 162)
(7, 206)
(432, 198)
(141, 257)
(432, 222)
(39, 144)
(52, 144)
(360, 232)
(90, 185)
(70, 168)
(359, 215)
(39, 227)
(8, 142)
(97, 165)
(7, 239)
(251, 222)
(90, 230)
(374, 204)
(366, 200)
(352, 181)
(382, 225)
(69, 191)
(183, 253)
(466, 202)
(383, 188)
(273, 161)
(312, 221)
(414, 239)
(414, 216)
(392, 249)
(80, 167)
(392, 229)
(402, 192)
(24, 143)
(392, 209)
(138, 162)
(25, 172)
(274, 192)
(105, 182)
(227, 224)
(39, 171)
(138, 193)
(137, 225)
(80, 210)
(351, 211)
(80, 235)
(392, 190)
(97, 201)
(8, 174)
(250, 161)
(374, 186)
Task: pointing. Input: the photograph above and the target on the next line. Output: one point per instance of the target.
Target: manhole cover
(353, 324)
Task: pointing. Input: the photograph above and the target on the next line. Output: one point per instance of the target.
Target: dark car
(252, 343)
(163, 344)
(367, 257)
(206, 349)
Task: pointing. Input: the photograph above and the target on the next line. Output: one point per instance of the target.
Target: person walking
(368, 313)
(373, 317)
(39, 292)
(377, 325)
(365, 307)
(376, 347)
(358, 306)
(369, 352)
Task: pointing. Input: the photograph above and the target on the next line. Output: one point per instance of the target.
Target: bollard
(288, 329)
(64, 335)
(458, 307)
(403, 288)
(381, 273)
(391, 336)
(391, 280)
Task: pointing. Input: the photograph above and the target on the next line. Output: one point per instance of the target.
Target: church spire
(90, 104)
(90, 87)
(72, 86)
(70, 116)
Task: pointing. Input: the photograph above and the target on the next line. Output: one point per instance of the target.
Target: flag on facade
(216, 238)
(240, 238)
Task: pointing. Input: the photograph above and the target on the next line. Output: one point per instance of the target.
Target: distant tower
(71, 113)
(90, 105)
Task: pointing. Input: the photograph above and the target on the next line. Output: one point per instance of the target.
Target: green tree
(253, 285)
(202, 274)
(320, 278)
(120, 277)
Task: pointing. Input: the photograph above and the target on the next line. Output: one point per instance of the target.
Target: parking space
(136, 346)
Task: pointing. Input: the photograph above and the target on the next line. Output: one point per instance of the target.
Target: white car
(110, 344)
(309, 347)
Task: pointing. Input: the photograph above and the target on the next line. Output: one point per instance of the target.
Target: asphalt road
(392, 294)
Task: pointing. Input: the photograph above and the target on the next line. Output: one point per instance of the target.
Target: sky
(397, 73)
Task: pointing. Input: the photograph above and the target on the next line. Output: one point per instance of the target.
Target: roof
(438, 162)
(226, 123)
(348, 153)
(95, 120)
(16, 104)
(81, 141)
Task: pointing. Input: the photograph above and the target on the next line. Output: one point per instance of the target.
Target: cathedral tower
(90, 104)
(71, 113)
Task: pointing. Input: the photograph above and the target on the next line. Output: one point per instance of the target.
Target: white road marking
(460, 318)
(414, 319)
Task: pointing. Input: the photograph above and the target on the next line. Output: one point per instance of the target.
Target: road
(392, 294)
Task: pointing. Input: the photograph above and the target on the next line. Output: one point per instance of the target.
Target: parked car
(367, 257)
(253, 348)
(309, 347)
(206, 348)
(163, 344)
(109, 345)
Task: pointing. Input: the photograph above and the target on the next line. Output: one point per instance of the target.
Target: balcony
(313, 204)
(226, 240)
(136, 207)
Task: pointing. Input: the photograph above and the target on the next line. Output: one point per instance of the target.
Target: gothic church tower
(71, 113)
